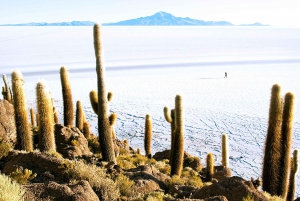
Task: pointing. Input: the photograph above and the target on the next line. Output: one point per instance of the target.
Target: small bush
(94, 145)
(248, 198)
(128, 161)
(53, 154)
(10, 190)
(4, 148)
(125, 185)
(189, 177)
(273, 198)
(22, 176)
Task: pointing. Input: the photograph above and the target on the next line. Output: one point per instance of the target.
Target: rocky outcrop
(221, 172)
(70, 142)
(7, 122)
(81, 191)
(215, 198)
(233, 188)
(182, 191)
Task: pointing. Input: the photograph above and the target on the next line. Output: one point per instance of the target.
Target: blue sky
(273, 12)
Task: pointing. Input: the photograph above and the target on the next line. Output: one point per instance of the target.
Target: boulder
(81, 191)
(233, 188)
(182, 191)
(70, 142)
(8, 131)
(221, 172)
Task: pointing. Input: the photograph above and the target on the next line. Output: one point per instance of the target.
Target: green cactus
(225, 150)
(104, 127)
(32, 117)
(79, 116)
(86, 130)
(293, 172)
(45, 110)
(210, 166)
(170, 117)
(286, 144)
(67, 97)
(24, 135)
(178, 152)
(271, 165)
(7, 91)
(148, 136)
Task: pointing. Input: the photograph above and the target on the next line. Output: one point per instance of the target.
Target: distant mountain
(166, 19)
(254, 24)
(73, 23)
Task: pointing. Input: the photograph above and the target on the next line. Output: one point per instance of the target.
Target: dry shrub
(248, 198)
(125, 185)
(272, 198)
(153, 196)
(163, 166)
(128, 161)
(22, 176)
(10, 190)
(4, 148)
(189, 177)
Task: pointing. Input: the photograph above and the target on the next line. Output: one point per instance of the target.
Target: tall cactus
(45, 110)
(32, 117)
(86, 130)
(104, 127)
(170, 117)
(210, 166)
(225, 150)
(293, 172)
(79, 116)
(55, 115)
(286, 144)
(271, 165)
(178, 152)
(148, 135)
(67, 97)
(7, 91)
(24, 136)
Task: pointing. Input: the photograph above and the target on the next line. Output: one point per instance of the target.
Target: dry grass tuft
(22, 176)
(10, 190)
(189, 177)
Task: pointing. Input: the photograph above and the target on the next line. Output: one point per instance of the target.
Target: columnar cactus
(225, 150)
(67, 97)
(37, 116)
(148, 136)
(271, 165)
(7, 91)
(286, 144)
(24, 136)
(104, 127)
(170, 117)
(79, 116)
(178, 152)
(210, 166)
(45, 110)
(55, 115)
(32, 117)
(86, 130)
(293, 172)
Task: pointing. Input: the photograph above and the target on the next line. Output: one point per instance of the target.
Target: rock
(189, 161)
(81, 191)
(215, 198)
(182, 191)
(221, 172)
(70, 142)
(8, 131)
(233, 188)
(147, 178)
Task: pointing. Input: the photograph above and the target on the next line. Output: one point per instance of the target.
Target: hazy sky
(273, 12)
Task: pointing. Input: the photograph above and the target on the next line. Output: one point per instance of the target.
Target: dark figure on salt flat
(225, 75)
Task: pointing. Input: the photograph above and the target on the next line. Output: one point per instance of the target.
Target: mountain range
(158, 19)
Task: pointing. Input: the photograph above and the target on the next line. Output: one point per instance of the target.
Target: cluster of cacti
(24, 134)
(148, 136)
(276, 163)
(45, 110)
(67, 97)
(6, 91)
(100, 103)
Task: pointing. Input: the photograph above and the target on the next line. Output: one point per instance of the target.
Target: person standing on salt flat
(225, 75)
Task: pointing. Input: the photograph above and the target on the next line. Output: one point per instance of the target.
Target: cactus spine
(178, 153)
(225, 150)
(45, 109)
(7, 91)
(210, 166)
(286, 135)
(24, 138)
(271, 165)
(79, 116)
(32, 117)
(104, 127)
(148, 135)
(293, 172)
(67, 97)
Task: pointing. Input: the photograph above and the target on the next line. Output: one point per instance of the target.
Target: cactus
(148, 136)
(138, 151)
(178, 152)
(7, 91)
(37, 116)
(79, 116)
(286, 135)
(225, 150)
(104, 127)
(170, 117)
(210, 166)
(67, 97)
(55, 115)
(32, 117)
(293, 172)
(271, 165)
(24, 137)
(86, 130)
(45, 110)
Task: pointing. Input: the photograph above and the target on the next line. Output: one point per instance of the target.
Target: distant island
(158, 19)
